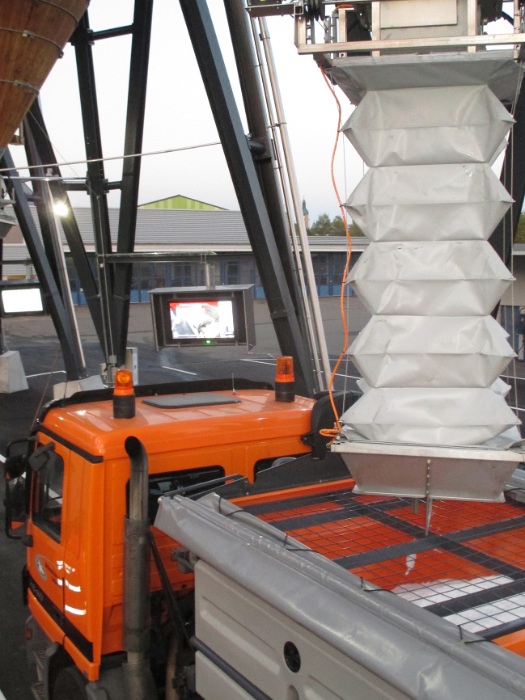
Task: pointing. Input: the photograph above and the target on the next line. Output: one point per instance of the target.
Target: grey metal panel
(456, 473)
(15, 251)
(247, 644)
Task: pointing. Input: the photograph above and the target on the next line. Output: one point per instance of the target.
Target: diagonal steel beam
(62, 320)
(138, 74)
(97, 184)
(44, 153)
(248, 189)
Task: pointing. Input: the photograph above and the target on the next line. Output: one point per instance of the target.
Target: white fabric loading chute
(464, 124)
(429, 202)
(431, 353)
(430, 278)
(426, 351)
(442, 416)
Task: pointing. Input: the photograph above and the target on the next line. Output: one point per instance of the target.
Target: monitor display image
(20, 299)
(203, 318)
(198, 316)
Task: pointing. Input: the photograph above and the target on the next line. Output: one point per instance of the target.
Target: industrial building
(193, 244)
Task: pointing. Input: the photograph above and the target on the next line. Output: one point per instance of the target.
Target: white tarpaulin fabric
(430, 278)
(360, 74)
(448, 416)
(426, 351)
(419, 126)
(498, 387)
(429, 202)
(431, 352)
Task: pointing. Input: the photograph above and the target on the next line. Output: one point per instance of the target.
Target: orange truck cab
(77, 472)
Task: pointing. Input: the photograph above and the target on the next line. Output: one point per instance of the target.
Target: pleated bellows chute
(431, 352)
(423, 126)
(462, 201)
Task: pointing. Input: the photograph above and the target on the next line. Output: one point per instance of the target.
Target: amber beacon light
(123, 395)
(284, 379)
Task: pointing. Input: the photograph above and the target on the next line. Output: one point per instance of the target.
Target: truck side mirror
(15, 505)
(42, 456)
(15, 466)
(15, 500)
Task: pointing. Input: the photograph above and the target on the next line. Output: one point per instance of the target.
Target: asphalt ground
(35, 339)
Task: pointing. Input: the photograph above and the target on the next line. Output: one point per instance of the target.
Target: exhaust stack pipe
(138, 679)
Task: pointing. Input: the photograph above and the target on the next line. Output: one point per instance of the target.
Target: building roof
(173, 231)
(221, 231)
(179, 201)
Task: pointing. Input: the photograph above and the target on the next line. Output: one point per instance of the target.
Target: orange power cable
(337, 427)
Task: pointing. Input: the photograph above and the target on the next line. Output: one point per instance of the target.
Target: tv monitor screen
(203, 318)
(20, 301)
(197, 316)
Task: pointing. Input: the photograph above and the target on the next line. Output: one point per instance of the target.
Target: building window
(231, 272)
(320, 262)
(182, 274)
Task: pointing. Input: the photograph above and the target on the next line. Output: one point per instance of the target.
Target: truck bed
(371, 604)
(469, 569)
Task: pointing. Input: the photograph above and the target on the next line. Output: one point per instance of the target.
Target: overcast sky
(178, 114)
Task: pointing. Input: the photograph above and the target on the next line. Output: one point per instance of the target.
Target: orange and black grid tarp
(469, 569)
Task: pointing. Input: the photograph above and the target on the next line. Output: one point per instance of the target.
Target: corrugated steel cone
(32, 34)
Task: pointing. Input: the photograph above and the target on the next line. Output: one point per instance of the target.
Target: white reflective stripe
(74, 611)
(182, 371)
(44, 374)
(75, 589)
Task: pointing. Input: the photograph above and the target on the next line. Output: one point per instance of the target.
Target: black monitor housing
(197, 316)
(21, 298)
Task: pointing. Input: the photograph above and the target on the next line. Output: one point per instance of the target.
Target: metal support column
(97, 183)
(267, 128)
(35, 128)
(138, 74)
(248, 189)
(73, 360)
(258, 126)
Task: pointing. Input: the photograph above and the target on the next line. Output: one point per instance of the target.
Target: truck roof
(174, 421)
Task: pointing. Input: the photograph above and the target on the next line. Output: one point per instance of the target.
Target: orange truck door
(46, 552)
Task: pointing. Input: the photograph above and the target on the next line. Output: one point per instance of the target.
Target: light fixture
(60, 209)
